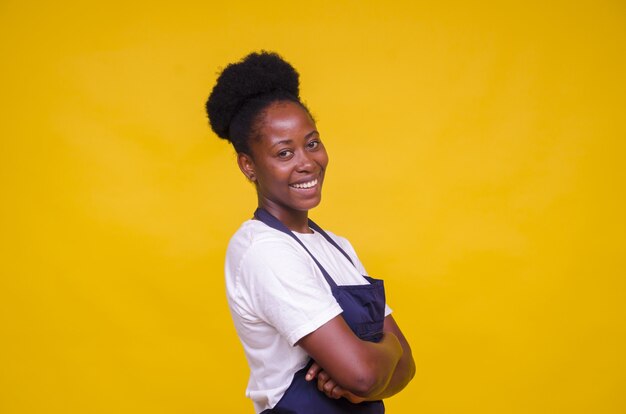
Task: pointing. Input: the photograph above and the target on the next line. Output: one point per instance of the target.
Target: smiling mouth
(309, 184)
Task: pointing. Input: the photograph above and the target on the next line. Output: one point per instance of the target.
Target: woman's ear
(246, 165)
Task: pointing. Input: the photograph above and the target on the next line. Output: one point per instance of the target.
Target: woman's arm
(402, 375)
(361, 367)
(405, 370)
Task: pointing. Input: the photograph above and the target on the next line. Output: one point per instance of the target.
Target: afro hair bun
(257, 74)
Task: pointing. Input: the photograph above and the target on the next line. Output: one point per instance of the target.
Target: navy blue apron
(364, 312)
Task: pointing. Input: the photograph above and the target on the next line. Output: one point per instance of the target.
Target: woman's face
(288, 161)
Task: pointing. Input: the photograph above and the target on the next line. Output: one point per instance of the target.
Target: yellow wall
(477, 164)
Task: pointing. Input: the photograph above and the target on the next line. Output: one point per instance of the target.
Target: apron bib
(364, 312)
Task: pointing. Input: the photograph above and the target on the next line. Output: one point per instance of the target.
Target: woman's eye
(313, 144)
(284, 154)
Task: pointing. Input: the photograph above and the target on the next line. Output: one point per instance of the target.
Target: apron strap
(265, 217)
(318, 229)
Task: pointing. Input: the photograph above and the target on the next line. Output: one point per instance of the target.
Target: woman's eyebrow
(282, 142)
(289, 141)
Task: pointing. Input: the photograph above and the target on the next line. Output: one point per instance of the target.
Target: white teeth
(305, 185)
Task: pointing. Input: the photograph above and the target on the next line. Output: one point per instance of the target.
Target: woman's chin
(311, 204)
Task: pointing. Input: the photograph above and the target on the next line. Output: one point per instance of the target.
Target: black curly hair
(244, 90)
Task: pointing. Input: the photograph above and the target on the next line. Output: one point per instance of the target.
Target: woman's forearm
(381, 365)
(402, 375)
(362, 367)
(405, 369)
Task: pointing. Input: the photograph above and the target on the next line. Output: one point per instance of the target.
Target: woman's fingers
(332, 390)
(322, 378)
(337, 392)
(327, 385)
(313, 371)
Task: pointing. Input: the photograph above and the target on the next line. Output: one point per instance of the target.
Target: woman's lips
(305, 185)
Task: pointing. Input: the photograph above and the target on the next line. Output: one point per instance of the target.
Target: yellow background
(477, 164)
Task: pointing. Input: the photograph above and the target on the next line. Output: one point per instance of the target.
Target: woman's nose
(305, 161)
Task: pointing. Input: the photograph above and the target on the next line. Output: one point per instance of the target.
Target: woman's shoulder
(253, 231)
(253, 236)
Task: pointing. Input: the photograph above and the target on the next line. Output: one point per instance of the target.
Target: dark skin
(287, 164)
(402, 373)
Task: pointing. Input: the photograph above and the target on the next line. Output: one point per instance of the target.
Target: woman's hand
(328, 386)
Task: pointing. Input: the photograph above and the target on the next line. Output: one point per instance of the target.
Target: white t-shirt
(277, 295)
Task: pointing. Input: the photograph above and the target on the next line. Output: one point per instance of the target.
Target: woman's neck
(295, 220)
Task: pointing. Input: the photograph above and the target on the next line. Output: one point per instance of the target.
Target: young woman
(317, 333)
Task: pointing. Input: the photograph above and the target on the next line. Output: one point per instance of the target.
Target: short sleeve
(282, 286)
